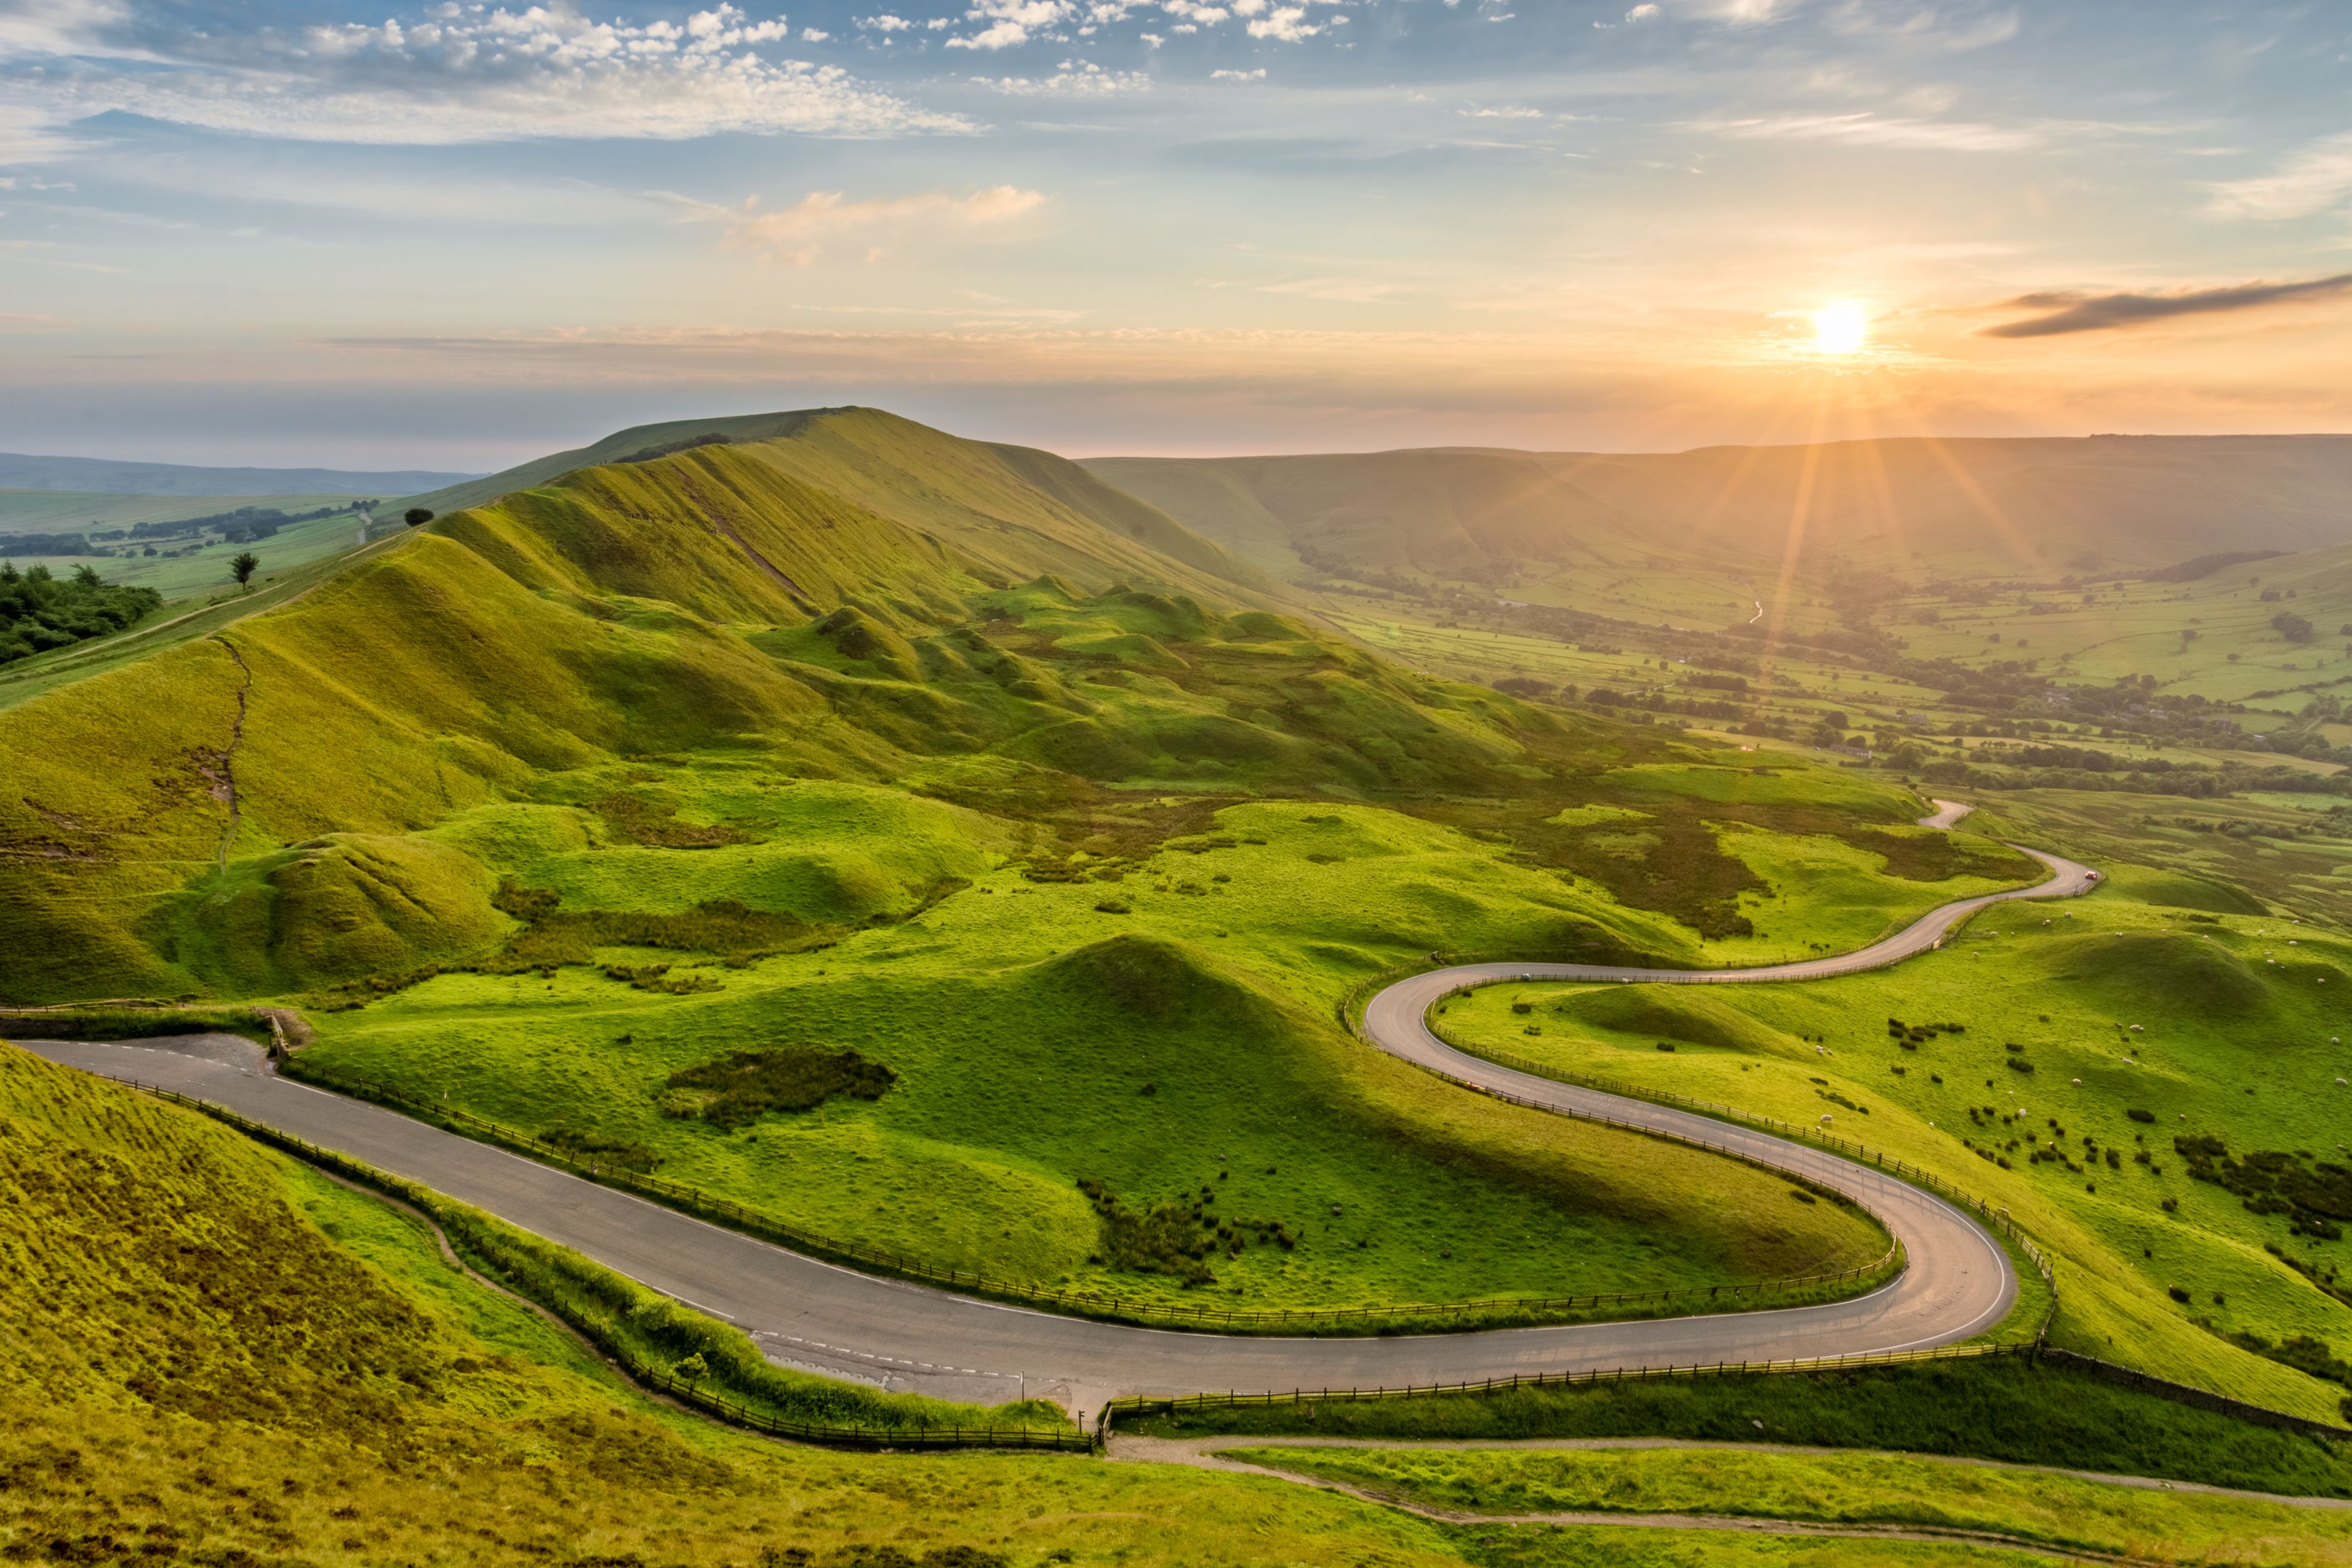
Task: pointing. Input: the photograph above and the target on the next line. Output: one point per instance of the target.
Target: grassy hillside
(2099, 1043)
(768, 745)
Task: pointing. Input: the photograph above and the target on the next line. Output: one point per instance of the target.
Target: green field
(80, 512)
(1874, 1489)
(2208, 1024)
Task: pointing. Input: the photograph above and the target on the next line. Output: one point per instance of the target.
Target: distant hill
(103, 475)
(1962, 507)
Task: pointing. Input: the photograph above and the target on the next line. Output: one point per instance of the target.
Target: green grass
(2006, 1408)
(1039, 1043)
(1023, 818)
(2229, 1043)
(1876, 1489)
(212, 1354)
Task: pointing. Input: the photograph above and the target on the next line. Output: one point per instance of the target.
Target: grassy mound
(1150, 1068)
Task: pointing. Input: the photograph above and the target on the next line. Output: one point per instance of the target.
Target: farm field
(80, 512)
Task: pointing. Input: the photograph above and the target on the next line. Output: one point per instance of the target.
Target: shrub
(2177, 1294)
(2141, 1115)
(740, 1085)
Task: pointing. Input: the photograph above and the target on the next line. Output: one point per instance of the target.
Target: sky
(456, 235)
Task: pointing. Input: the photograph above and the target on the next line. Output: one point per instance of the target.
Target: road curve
(832, 1319)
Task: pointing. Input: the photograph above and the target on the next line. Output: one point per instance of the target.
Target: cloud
(1500, 113)
(1011, 22)
(813, 35)
(886, 23)
(454, 77)
(1644, 12)
(798, 233)
(1284, 23)
(2073, 312)
(1258, 75)
(2312, 181)
(1870, 129)
(1072, 79)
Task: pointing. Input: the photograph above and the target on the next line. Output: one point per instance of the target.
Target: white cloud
(2312, 181)
(62, 27)
(798, 233)
(1869, 130)
(1287, 24)
(813, 35)
(1644, 12)
(886, 23)
(1258, 75)
(472, 75)
(1500, 113)
(1073, 81)
(1011, 22)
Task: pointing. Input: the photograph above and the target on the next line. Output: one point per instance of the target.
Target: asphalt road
(829, 1319)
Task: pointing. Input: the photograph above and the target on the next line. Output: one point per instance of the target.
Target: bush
(2141, 1115)
(416, 515)
(740, 1085)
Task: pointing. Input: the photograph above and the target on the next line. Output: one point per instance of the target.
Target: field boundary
(1500, 1313)
(684, 1391)
(1170, 1403)
(2204, 1399)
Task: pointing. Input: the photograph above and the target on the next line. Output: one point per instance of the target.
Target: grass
(1873, 1489)
(499, 785)
(2012, 1409)
(2210, 1024)
(214, 1355)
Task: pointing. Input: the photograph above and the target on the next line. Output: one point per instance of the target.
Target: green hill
(855, 736)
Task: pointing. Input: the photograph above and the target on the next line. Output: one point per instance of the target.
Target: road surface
(828, 1319)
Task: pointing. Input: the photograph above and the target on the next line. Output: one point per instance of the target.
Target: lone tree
(2292, 627)
(418, 516)
(244, 567)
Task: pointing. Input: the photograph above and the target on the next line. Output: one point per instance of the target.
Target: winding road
(832, 1319)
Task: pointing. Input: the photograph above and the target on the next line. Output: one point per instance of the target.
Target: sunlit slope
(1009, 512)
(1974, 505)
(709, 599)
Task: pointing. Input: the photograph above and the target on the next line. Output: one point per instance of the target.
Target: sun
(1840, 329)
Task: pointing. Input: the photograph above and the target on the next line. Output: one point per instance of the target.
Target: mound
(1672, 1013)
(2160, 973)
(2181, 890)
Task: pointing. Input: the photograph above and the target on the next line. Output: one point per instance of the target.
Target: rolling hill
(1961, 507)
(850, 735)
(23, 471)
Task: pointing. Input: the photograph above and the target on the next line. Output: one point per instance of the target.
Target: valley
(958, 860)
